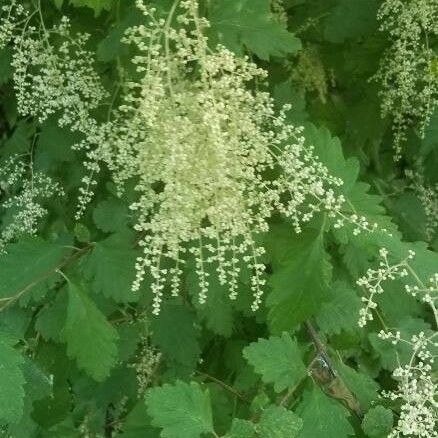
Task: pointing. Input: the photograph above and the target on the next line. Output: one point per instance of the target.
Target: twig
(289, 394)
(9, 300)
(224, 385)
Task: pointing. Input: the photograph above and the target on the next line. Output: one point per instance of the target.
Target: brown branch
(224, 385)
(320, 347)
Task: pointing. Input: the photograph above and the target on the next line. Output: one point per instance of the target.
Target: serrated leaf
(351, 19)
(249, 22)
(360, 384)
(54, 146)
(377, 422)
(137, 424)
(6, 69)
(11, 382)
(110, 215)
(20, 140)
(278, 360)
(27, 263)
(358, 199)
(111, 265)
(112, 46)
(300, 278)
(51, 318)
(340, 312)
(323, 416)
(182, 410)
(15, 321)
(129, 337)
(217, 311)
(278, 422)
(241, 429)
(174, 332)
(97, 5)
(90, 338)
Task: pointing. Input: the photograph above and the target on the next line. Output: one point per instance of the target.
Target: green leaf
(97, 5)
(390, 355)
(278, 422)
(82, 233)
(54, 146)
(351, 19)
(341, 312)
(112, 46)
(111, 265)
(174, 332)
(358, 199)
(300, 278)
(20, 140)
(360, 384)
(27, 263)
(217, 311)
(51, 318)
(182, 410)
(6, 69)
(249, 22)
(110, 215)
(377, 422)
(11, 382)
(137, 424)
(90, 338)
(323, 417)
(278, 360)
(241, 429)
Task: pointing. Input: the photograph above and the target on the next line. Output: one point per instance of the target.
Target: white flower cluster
(417, 389)
(212, 158)
(54, 75)
(23, 190)
(428, 196)
(10, 16)
(407, 72)
(374, 278)
(427, 293)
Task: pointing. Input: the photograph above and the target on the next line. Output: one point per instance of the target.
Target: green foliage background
(69, 348)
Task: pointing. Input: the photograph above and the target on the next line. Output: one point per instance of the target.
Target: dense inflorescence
(11, 15)
(213, 158)
(407, 73)
(23, 191)
(210, 172)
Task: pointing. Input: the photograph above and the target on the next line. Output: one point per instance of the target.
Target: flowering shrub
(203, 230)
